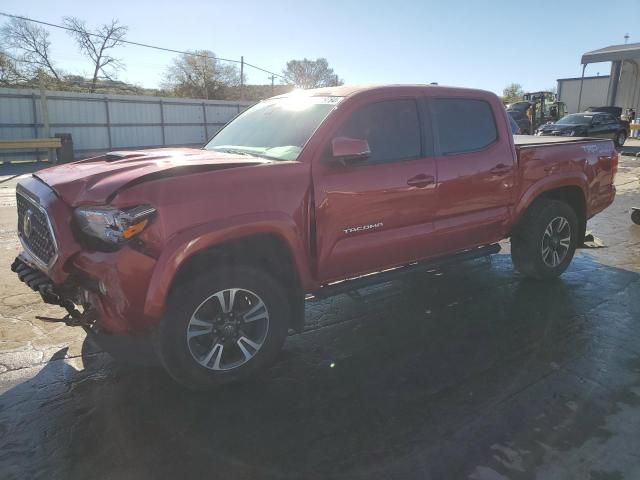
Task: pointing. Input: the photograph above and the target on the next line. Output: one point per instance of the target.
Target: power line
(145, 45)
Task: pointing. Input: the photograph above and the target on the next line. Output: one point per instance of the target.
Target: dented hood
(97, 180)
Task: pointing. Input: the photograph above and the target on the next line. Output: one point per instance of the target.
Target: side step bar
(356, 283)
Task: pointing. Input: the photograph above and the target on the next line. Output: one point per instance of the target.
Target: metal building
(622, 87)
(594, 92)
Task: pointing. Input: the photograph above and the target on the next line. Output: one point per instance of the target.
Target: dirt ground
(470, 373)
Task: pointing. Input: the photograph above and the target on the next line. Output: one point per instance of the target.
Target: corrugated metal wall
(594, 92)
(100, 123)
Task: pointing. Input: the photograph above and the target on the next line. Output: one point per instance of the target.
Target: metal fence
(99, 123)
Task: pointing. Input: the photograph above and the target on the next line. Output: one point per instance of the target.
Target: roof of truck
(348, 90)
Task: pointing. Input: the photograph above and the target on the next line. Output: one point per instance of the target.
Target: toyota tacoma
(202, 258)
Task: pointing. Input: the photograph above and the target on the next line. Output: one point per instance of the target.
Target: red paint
(367, 217)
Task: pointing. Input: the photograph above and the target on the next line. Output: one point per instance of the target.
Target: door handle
(421, 180)
(500, 169)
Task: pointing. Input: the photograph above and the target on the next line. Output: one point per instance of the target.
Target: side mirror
(345, 149)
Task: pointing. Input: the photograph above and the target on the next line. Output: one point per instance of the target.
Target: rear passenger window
(391, 127)
(464, 125)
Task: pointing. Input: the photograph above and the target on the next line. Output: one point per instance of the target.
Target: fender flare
(547, 184)
(186, 243)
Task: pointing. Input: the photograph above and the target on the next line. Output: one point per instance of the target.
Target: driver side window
(391, 127)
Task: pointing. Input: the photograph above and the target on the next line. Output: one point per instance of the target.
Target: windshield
(275, 129)
(575, 119)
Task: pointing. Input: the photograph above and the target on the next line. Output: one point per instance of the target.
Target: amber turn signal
(135, 229)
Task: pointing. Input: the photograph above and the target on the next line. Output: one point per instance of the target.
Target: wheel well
(266, 251)
(574, 197)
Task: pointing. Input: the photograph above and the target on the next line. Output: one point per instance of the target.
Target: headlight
(112, 225)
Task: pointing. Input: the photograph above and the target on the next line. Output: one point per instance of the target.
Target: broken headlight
(113, 226)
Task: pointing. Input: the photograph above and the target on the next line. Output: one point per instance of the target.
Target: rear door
(476, 172)
(377, 213)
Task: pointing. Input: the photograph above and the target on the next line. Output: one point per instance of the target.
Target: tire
(543, 230)
(621, 137)
(635, 217)
(213, 349)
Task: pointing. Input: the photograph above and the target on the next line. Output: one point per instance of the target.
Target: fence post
(34, 110)
(204, 119)
(164, 142)
(106, 109)
(44, 109)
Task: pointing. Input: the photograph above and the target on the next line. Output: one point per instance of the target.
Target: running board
(356, 283)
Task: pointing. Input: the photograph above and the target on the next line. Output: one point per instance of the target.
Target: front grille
(34, 230)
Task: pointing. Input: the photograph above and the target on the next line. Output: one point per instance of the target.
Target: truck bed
(523, 141)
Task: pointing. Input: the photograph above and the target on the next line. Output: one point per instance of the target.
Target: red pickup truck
(203, 258)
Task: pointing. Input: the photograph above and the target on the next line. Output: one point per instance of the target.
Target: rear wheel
(543, 245)
(223, 326)
(635, 216)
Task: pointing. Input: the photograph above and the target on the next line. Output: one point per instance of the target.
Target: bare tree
(95, 44)
(31, 47)
(311, 73)
(201, 75)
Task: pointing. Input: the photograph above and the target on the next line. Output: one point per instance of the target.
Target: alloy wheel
(556, 241)
(227, 329)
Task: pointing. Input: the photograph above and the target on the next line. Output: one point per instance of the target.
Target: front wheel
(223, 326)
(621, 137)
(635, 216)
(546, 239)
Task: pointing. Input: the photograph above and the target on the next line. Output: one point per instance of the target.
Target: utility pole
(242, 78)
(272, 77)
(336, 82)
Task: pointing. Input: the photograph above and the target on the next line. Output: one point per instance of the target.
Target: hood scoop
(115, 156)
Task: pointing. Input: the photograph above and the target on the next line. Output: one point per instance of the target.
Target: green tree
(200, 75)
(512, 93)
(311, 73)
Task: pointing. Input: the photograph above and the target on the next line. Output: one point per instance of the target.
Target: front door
(599, 127)
(377, 213)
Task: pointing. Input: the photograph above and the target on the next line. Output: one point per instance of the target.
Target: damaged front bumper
(65, 296)
(137, 349)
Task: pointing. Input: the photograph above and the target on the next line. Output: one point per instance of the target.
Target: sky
(480, 44)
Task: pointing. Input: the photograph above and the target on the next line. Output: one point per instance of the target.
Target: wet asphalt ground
(467, 373)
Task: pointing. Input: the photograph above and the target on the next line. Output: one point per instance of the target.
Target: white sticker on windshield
(312, 100)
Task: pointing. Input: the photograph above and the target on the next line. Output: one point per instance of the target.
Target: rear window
(464, 125)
